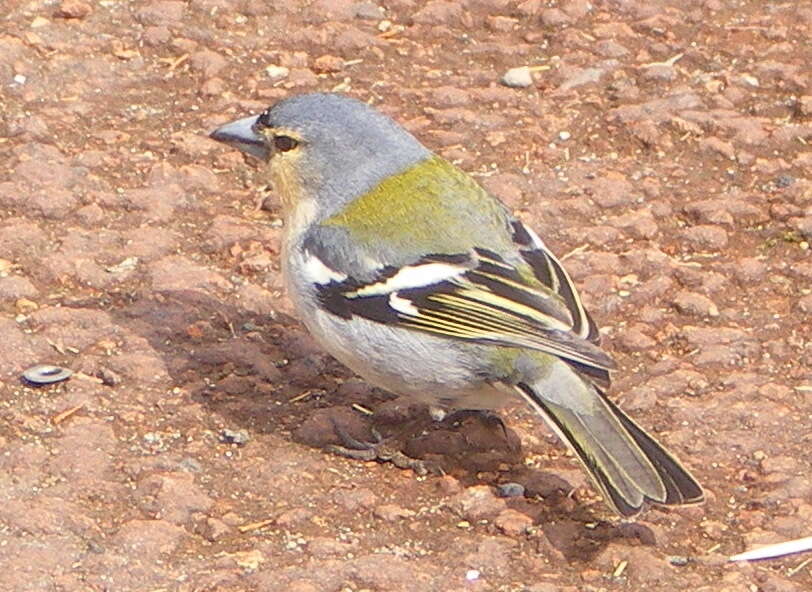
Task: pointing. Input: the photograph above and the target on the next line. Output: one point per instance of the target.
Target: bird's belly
(429, 369)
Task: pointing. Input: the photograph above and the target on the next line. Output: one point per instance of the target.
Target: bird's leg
(486, 416)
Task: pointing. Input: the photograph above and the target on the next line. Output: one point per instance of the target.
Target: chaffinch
(411, 274)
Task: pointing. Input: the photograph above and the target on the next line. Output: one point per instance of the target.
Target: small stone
(73, 9)
(127, 264)
(190, 465)
(108, 377)
(783, 181)
(706, 236)
(695, 304)
(520, 77)
(207, 62)
(713, 528)
(476, 503)
(354, 500)
(503, 24)
(609, 48)
(659, 73)
(162, 12)
(805, 105)
(439, 12)
(277, 72)
(513, 522)
(213, 529)
(805, 304)
(553, 17)
(715, 145)
(238, 437)
(368, 11)
(564, 136)
(750, 269)
(16, 288)
(293, 517)
(529, 7)
(248, 560)
(633, 339)
(301, 77)
(174, 496)
(327, 547)
(510, 490)
(581, 77)
(392, 512)
(328, 64)
(156, 35)
(25, 306)
(448, 485)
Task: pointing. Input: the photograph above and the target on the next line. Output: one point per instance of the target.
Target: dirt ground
(664, 147)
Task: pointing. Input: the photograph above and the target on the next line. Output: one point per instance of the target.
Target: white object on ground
(776, 550)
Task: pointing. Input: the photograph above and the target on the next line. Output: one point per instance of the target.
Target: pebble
(75, 245)
(368, 11)
(510, 490)
(706, 236)
(238, 437)
(520, 77)
(554, 17)
(582, 77)
(354, 500)
(190, 465)
(325, 64)
(476, 502)
(42, 374)
(108, 377)
(277, 72)
(513, 522)
(73, 9)
(293, 517)
(392, 512)
(695, 304)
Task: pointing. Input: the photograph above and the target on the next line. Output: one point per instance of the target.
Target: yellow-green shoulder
(432, 205)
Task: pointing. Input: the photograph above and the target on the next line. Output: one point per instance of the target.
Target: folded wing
(477, 296)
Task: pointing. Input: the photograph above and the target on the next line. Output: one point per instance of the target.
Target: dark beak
(242, 136)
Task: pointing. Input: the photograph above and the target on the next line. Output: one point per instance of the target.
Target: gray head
(326, 147)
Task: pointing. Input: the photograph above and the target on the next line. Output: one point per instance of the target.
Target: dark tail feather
(681, 487)
(628, 466)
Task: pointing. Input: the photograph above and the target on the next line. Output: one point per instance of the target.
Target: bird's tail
(627, 465)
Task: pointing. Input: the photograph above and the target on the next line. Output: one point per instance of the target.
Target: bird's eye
(284, 143)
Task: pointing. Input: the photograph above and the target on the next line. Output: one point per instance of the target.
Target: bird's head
(326, 149)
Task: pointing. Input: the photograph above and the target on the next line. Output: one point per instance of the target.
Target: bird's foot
(381, 450)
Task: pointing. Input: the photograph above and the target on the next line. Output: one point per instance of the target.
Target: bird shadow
(263, 373)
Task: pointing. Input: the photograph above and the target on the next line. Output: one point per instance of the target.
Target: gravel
(660, 148)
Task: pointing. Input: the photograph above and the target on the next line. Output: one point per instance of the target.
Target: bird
(407, 271)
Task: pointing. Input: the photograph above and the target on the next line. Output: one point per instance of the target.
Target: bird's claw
(378, 450)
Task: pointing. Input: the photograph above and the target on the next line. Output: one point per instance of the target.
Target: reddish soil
(664, 147)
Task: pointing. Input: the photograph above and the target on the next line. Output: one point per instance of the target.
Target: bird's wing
(477, 296)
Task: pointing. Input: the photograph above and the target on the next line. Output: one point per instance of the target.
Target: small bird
(411, 274)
